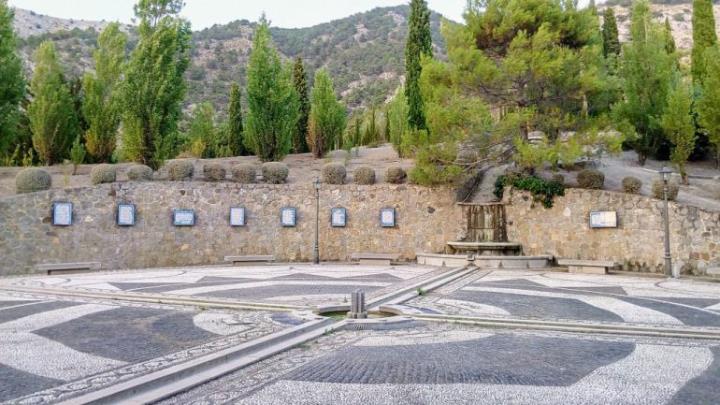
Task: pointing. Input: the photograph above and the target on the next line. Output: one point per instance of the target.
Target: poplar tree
(235, 123)
(273, 106)
(677, 122)
(327, 116)
(704, 36)
(301, 87)
(101, 106)
(51, 113)
(12, 82)
(419, 44)
(708, 105)
(154, 85)
(611, 41)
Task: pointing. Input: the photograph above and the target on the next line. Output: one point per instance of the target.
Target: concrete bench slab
(249, 260)
(375, 259)
(67, 268)
(587, 266)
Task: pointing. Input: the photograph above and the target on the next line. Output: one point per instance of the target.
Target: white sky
(205, 13)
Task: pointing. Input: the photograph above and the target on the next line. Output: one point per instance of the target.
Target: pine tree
(235, 123)
(327, 116)
(101, 107)
(704, 36)
(419, 44)
(677, 122)
(273, 105)
(300, 82)
(154, 85)
(611, 41)
(12, 82)
(708, 105)
(51, 112)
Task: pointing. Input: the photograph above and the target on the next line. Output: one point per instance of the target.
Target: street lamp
(665, 173)
(316, 247)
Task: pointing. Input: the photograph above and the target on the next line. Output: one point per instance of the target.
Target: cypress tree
(611, 41)
(419, 43)
(235, 123)
(301, 87)
(327, 116)
(670, 46)
(708, 105)
(12, 82)
(704, 36)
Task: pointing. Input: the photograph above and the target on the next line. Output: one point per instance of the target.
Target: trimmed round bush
(395, 175)
(140, 173)
(180, 170)
(31, 180)
(334, 173)
(673, 190)
(214, 172)
(631, 185)
(244, 173)
(364, 175)
(275, 172)
(591, 178)
(558, 178)
(103, 174)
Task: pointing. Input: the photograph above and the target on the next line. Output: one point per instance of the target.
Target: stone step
(485, 262)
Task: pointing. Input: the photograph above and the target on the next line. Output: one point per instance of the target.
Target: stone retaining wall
(426, 220)
(637, 243)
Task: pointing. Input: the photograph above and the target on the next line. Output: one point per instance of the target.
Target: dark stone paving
(287, 290)
(129, 334)
(523, 284)
(15, 383)
(12, 314)
(688, 316)
(539, 307)
(693, 302)
(5, 304)
(499, 359)
(702, 389)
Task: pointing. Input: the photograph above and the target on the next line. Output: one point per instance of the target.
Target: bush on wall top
(334, 173)
(31, 180)
(103, 174)
(275, 172)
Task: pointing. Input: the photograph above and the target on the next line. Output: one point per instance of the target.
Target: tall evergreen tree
(327, 116)
(51, 112)
(670, 46)
(708, 105)
(235, 123)
(101, 107)
(301, 87)
(419, 44)
(677, 122)
(154, 85)
(273, 106)
(704, 36)
(12, 82)
(611, 41)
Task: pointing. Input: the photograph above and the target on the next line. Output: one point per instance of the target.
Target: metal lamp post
(665, 173)
(316, 247)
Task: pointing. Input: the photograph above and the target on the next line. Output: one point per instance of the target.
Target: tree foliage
(677, 122)
(235, 130)
(704, 36)
(397, 112)
(154, 85)
(301, 87)
(327, 116)
(419, 45)
(272, 101)
(611, 41)
(101, 106)
(202, 135)
(12, 82)
(708, 105)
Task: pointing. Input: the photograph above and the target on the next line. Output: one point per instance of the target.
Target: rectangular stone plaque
(387, 217)
(184, 218)
(338, 218)
(603, 219)
(288, 217)
(126, 215)
(62, 213)
(237, 216)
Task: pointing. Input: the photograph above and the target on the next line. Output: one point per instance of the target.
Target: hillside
(364, 52)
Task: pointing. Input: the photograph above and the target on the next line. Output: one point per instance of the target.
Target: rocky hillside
(364, 52)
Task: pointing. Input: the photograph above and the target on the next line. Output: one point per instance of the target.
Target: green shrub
(214, 172)
(31, 180)
(103, 174)
(591, 179)
(395, 175)
(275, 172)
(244, 173)
(631, 185)
(364, 175)
(334, 173)
(140, 173)
(180, 170)
(673, 190)
(542, 190)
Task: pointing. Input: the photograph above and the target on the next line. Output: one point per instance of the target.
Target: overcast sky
(204, 13)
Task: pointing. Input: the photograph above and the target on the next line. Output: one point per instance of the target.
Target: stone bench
(65, 268)
(249, 260)
(375, 259)
(486, 248)
(587, 266)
